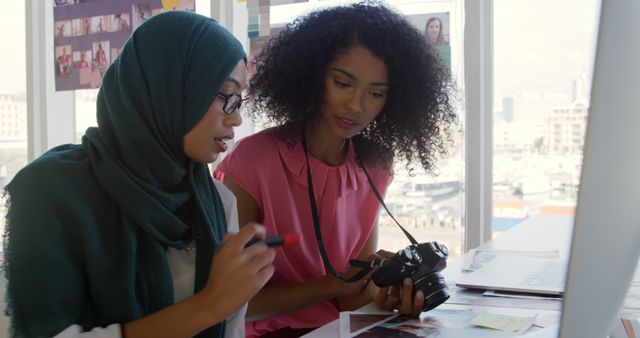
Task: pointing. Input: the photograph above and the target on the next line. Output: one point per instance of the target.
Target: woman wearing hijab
(124, 234)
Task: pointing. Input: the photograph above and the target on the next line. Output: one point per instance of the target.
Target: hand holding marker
(289, 239)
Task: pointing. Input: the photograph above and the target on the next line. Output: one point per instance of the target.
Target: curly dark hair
(288, 83)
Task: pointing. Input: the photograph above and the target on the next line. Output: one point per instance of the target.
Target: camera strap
(375, 191)
(365, 265)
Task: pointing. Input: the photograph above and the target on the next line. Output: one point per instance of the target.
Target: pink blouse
(274, 173)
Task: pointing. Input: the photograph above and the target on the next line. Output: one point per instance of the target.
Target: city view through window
(13, 106)
(543, 55)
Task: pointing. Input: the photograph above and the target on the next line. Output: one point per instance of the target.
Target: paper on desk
(474, 297)
(547, 320)
(475, 258)
(495, 321)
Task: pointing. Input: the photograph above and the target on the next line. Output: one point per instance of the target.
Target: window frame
(478, 89)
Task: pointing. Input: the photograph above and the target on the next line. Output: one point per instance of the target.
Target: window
(543, 56)
(85, 111)
(13, 111)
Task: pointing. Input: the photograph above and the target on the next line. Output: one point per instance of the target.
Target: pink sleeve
(246, 163)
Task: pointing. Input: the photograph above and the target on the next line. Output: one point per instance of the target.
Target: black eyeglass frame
(232, 102)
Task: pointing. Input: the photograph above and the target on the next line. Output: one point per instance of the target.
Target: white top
(182, 264)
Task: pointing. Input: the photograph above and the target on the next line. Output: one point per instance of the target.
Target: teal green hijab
(108, 210)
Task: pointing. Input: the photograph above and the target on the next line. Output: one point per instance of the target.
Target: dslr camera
(422, 263)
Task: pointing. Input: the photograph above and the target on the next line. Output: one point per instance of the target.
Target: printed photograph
(436, 30)
(141, 12)
(121, 22)
(63, 60)
(82, 59)
(76, 27)
(100, 24)
(101, 58)
(86, 26)
(63, 29)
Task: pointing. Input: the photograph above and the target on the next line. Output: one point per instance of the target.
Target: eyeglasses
(232, 102)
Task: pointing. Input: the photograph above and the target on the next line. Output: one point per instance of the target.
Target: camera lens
(434, 288)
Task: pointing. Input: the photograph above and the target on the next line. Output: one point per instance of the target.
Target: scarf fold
(128, 193)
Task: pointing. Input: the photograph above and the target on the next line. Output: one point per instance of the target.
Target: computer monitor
(606, 235)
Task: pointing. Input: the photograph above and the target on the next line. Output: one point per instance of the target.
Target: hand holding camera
(421, 263)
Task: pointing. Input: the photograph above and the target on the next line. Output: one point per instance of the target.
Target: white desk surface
(538, 233)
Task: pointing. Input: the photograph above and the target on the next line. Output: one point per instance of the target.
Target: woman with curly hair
(350, 88)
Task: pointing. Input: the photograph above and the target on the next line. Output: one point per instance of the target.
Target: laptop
(518, 274)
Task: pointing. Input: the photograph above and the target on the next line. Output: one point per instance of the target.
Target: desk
(538, 233)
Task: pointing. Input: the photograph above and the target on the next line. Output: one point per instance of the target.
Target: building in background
(13, 118)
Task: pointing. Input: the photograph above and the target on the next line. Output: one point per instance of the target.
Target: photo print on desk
(440, 323)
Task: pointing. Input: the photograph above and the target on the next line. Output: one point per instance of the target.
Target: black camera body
(422, 263)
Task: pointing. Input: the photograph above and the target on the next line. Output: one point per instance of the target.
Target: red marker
(289, 239)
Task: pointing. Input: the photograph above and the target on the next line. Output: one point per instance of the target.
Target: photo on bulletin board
(141, 12)
(86, 26)
(89, 34)
(63, 60)
(436, 29)
(100, 24)
(63, 29)
(82, 59)
(101, 57)
(121, 22)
